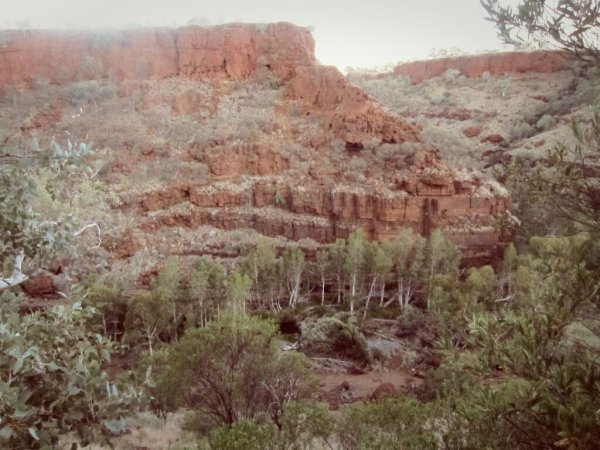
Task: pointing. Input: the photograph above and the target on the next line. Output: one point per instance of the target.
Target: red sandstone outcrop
(62, 56)
(382, 391)
(352, 116)
(472, 132)
(429, 196)
(251, 184)
(40, 285)
(238, 50)
(493, 139)
(495, 64)
(233, 51)
(229, 51)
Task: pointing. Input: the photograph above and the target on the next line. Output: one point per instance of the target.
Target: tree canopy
(52, 362)
(572, 25)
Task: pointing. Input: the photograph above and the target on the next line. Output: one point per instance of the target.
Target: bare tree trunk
(150, 336)
(352, 292)
(382, 293)
(369, 297)
(175, 320)
(400, 293)
(17, 276)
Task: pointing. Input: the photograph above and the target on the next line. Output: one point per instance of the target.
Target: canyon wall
(496, 64)
(234, 51)
(251, 185)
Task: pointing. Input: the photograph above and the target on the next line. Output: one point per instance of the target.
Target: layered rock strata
(252, 185)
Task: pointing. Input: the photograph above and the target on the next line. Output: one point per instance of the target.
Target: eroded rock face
(428, 196)
(62, 56)
(496, 64)
(238, 50)
(314, 193)
(351, 115)
(229, 51)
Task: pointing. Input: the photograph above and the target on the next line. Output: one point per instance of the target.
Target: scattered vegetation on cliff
(506, 354)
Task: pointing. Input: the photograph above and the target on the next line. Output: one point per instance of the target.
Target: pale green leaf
(6, 433)
(73, 390)
(17, 366)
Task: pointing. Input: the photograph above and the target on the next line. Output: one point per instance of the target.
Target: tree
(323, 265)
(408, 257)
(238, 287)
(112, 308)
(166, 289)
(354, 261)
(52, 379)
(441, 257)
(262, 266)
(217, 289)
(572, 25)
(547, 344)
(149, 314)
(481, 286)
(553, 398)
(245, 376)
(291, 380)
(293, 268)
(198, 292)
(379, 265)
(337, 252)
(33, 184)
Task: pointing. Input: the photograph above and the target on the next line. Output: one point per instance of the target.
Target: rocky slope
(209, 135)
(481, 111)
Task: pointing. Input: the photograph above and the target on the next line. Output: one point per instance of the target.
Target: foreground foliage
(43, 192)
(52, 380)
(570, 24)
(231, 370)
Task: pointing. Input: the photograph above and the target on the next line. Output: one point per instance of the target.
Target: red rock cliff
(255, 184)
(234, 51)
(495, 63)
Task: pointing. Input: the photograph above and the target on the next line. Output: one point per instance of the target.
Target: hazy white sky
(359, 33)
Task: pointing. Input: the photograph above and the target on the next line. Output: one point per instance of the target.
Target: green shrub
(243, 435)
(91, 91)
(387, 424)
(545, 122)
(53, 381)
(112, 306)
(306, 425)
(275, 84)
(231, 370)
(410, 321)
(521, 130)
(332, 336)
(452, 75)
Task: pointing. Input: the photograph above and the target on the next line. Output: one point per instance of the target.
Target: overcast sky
(358, 33)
